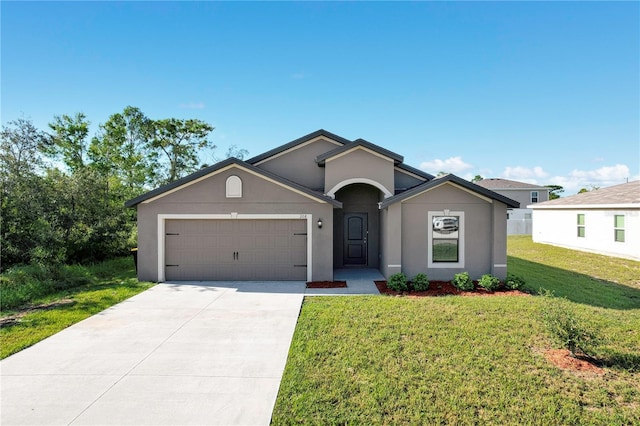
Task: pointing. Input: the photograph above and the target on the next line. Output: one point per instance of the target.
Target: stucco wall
(484, 243)
(359, 164)
(559, 227)
(404, 181)
(298, 165)
(259, 197)
(523, 196)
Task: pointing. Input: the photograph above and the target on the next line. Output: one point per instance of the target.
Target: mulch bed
(445, 288)
(326, 284)
(562, 359)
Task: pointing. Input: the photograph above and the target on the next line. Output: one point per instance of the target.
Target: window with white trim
(534, 196)
(446, 239)
(618, 228)
(234, 187)
(581, 225)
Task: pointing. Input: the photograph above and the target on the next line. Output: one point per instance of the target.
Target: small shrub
(566, 328)
(421, 282)
(462, 281)
(398, 282)
(513, 282)
(489, 282)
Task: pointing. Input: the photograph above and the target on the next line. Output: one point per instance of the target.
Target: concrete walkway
(182, 354)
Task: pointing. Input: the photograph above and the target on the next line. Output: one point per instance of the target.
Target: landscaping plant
(513, 282)
(489, 282)
(565, 327)
(462, 281)
(398, 282)
(421, 282)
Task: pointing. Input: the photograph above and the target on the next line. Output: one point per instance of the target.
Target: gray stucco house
(318, 203)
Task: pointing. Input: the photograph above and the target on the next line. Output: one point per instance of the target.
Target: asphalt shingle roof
(626, 193)
(499, 183)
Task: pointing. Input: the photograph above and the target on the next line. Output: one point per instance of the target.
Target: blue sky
(541, 92)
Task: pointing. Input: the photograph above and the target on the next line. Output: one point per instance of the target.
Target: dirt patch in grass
(445, 288)
(562, 359)
(326, 284)
(15, 318)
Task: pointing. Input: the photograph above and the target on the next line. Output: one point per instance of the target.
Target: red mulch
(562, 359)
(326, 284)
(445, 288)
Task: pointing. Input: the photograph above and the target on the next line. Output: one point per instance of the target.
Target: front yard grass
(111, 282)
(468, 360)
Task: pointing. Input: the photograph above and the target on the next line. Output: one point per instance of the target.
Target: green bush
(513, 282)
(462, 281)
(420, 282)
(398, 282)
(489, 282)
(566, 328)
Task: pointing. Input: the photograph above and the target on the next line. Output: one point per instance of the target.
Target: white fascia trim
(225, 169)
(317, 138)
(629, 206)
(349, 151)
(461, 239)
(232, 216)
(482, 197)
(410, 174)
(336, 188)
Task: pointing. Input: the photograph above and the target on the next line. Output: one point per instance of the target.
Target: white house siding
(560, 227)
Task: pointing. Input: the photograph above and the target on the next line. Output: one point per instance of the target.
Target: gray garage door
(236, 250)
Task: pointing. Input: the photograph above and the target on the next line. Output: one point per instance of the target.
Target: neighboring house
(320, 202)
(605, 221)
(519, 220)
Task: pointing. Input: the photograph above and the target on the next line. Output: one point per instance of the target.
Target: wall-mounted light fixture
(319, 223)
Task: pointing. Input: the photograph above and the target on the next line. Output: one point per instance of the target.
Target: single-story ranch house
(605, 221)
(318, 203)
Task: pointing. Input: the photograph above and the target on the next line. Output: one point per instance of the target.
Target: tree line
(63, 192)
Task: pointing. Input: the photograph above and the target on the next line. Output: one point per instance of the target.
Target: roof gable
(449, 178)
(224, 165)
(359, 144)
(296, 144)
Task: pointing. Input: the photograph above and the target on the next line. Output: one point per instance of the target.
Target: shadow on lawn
(579, 288)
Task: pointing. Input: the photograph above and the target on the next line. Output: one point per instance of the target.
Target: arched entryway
(356, 232)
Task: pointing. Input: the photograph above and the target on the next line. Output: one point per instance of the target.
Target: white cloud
(450, 165)
(193, 105)
(602, 177)
(524, 174)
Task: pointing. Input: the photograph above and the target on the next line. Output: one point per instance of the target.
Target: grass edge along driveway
(111, 282)
(468, 360)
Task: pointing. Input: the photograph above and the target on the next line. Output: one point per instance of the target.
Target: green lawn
(110, 282)
(468, 360)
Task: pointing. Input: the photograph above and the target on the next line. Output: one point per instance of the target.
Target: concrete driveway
(177, 354)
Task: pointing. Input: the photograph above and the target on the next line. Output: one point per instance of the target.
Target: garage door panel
(236, 249)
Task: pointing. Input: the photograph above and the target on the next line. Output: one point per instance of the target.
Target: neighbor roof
(454, 179)
(618, 195)
(499, 183)
(230, 161)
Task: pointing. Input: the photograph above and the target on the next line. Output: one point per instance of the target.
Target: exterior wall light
(319, 223)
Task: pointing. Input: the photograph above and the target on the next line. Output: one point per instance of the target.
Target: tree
(69, 140)
(20, 147)
(591, 188)
(554, 191)
(175, 145)
(477, 179)
(120, 148)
